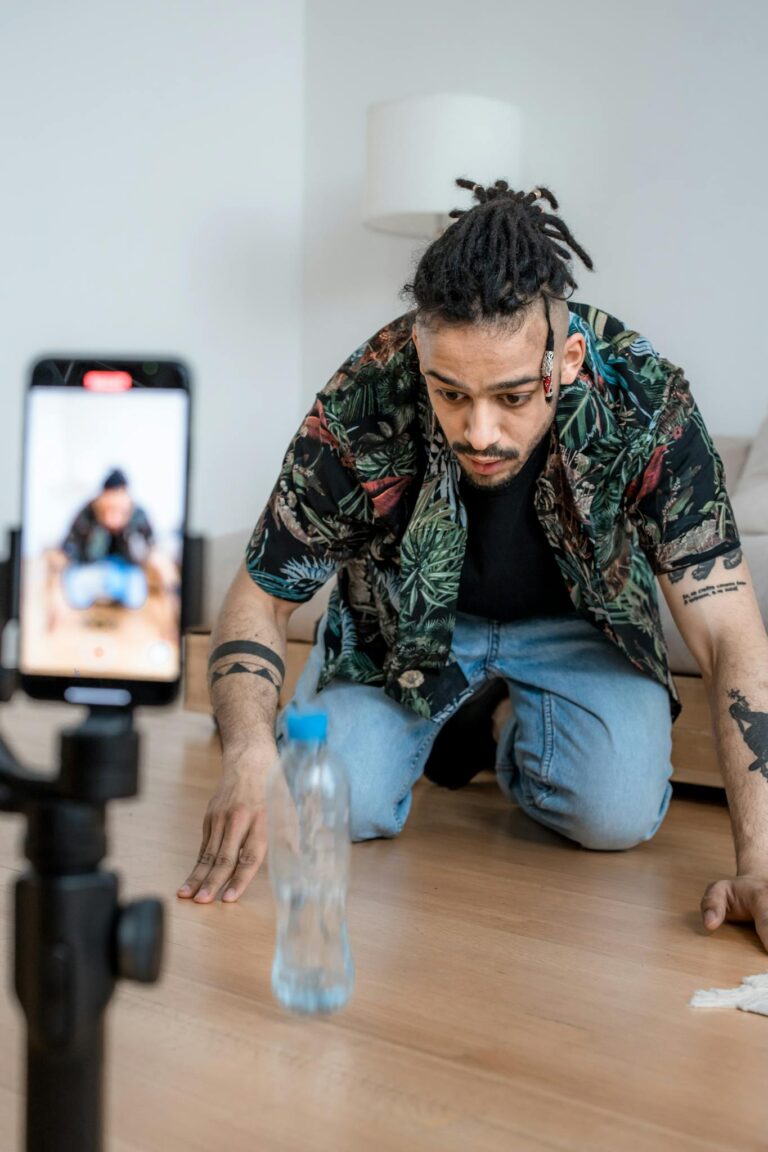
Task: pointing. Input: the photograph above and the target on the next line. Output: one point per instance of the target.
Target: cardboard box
(693, 741)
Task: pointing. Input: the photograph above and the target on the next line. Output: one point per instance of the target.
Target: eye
(450, 397)
(515, 399)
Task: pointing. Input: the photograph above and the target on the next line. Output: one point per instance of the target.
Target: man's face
(113, 508)
(486, 389)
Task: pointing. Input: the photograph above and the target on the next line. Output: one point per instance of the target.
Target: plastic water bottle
(308, 830)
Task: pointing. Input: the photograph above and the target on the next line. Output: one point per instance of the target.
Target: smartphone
(105, 488)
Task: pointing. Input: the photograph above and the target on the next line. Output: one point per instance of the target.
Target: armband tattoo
(248, 658)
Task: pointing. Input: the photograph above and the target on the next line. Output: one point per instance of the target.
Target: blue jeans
(586, 751)
(112, 579)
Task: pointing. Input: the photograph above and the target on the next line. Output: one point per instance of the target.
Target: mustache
(493, 453)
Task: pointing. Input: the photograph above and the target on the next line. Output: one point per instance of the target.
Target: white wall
(647, 120)
(151, 162)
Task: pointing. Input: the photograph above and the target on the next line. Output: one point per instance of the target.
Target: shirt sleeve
(144, 527)
(73, 544)
(317, 516)
(679, 502)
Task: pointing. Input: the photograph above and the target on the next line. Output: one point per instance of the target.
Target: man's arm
(162, 570)
(245, 675)
(56, 605)
(714, 606)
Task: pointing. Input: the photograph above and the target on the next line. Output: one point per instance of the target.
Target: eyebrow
(502, 386)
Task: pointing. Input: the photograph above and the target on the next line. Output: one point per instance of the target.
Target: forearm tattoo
(754, 730)
(731, 560)
(245, 657)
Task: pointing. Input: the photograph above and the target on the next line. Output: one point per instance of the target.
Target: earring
(548, 362)
(547, 365)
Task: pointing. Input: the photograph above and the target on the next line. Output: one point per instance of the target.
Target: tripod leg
(65, 976)
(64, 1099)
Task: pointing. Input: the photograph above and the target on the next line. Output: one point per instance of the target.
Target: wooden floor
(514, 992)
(142, 641)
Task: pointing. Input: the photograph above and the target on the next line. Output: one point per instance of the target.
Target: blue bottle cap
(307, 726)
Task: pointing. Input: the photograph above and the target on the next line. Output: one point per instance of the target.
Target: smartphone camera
(104, 494)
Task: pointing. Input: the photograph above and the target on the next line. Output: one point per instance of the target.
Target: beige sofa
(746, 469)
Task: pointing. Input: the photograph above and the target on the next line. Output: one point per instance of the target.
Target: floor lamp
(417, 147)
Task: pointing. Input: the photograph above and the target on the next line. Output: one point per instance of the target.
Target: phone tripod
(73, 940)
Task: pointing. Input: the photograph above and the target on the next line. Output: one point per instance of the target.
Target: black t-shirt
(510, 572)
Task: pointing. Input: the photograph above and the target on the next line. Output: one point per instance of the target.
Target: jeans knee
(599, 837)
(605, 830)
(373, 816)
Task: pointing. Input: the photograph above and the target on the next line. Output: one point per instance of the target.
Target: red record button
(107, 381)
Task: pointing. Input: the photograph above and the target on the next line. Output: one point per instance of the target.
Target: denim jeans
(112, 579)
(585, 752)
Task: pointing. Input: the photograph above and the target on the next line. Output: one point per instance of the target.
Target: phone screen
(103, 521)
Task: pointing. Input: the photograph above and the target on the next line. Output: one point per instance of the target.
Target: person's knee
(620, 794)
(611, 835)
(381, 746)
(624, 825)
(373, 814)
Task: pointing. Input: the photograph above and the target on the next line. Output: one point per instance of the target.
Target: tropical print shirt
(88, 540)
(369, 489)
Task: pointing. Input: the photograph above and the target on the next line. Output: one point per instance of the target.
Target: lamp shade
(418, 147)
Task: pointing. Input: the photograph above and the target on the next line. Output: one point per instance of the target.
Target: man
(499, 477)
(108, 554)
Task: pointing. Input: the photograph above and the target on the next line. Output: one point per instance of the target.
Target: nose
(481, 428)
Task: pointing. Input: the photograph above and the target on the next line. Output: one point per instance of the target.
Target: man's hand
(742, 898)
(56, 562)
(234, 840)
(246, 669)
(54, 616)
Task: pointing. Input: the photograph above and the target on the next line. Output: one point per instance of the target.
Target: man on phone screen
(108, 554)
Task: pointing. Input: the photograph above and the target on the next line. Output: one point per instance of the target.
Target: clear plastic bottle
(308, 829)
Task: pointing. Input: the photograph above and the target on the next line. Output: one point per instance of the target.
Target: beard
(481, 484)
(514, 455)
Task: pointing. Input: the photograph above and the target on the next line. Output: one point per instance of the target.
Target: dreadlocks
(500, 255)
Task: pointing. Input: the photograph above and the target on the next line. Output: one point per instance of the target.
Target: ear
(574, 351)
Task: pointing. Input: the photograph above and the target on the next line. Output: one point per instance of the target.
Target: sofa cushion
(750, 499)
(733, 451)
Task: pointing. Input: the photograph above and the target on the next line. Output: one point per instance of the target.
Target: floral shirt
(88, 540)
(369, 489)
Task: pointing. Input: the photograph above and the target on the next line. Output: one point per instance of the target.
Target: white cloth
(750, 996)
